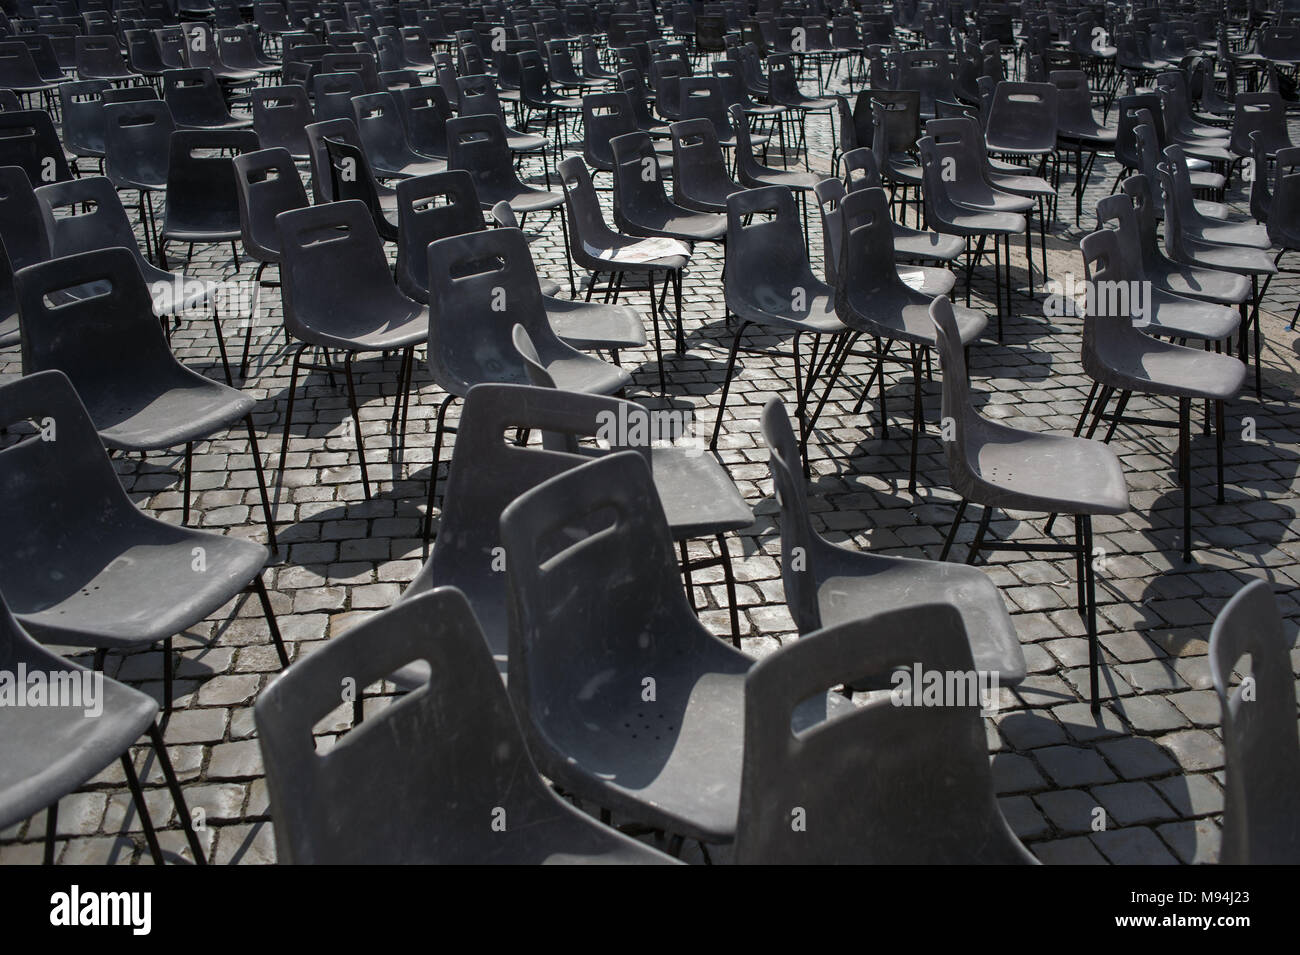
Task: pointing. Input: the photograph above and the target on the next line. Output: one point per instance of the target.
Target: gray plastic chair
(339, 293)
(625, 698)
(202, 201)
(1121, 360)
(50, 751)
(883, 784)
(910, 245)
(109, 343)
(642, 207)
(701, 180)
(266, 184)
(769, 282)
(448, 777)
(946, 215)
(379, 122)
(872, 299)
(927, 280)
(827, 585)
(488, 471)
(481, 284)
(102, 223)
(1261, 750)
(595, 247)
(85, 567)
(281, 115)
(1000, 467)
(1209, 285)
(583, 324)
(1241, 259)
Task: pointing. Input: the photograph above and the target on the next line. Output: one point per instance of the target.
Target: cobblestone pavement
(1153, 761)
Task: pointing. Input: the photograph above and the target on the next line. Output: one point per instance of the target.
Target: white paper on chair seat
(643, 250)
(913, 279)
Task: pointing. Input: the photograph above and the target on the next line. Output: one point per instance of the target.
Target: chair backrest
(766, 256)
(333, 92)
(481, 284)
(1023, 115)
(322, 178)
(28, 139)
(1261, 749)
(58, 498)
(201, 192)
(194, 97)
(1126, 147)
(100, 337)
(478, 144)
(21, 227)
(955, 403)
(137, 141)
(1262, 111)
(887, 783)
(380, 124)
(587, 226)
(447, 756)
(333, 270)
(101, 222)
(601, 521)
(801, 545)
(281, 115)
(427, 112)
(698, 162)
(430, 208)
(604, 116)
(266, 184)
(363, 64)
(83, 116)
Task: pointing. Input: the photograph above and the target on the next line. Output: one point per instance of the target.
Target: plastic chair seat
(922, 244)
(163, 414)
(698, 497)
(1174, 316)
(524, 142)
(521, 200)
(593, 324)
(1244, 234)
(49, 751)
(1096, 136)
(1044, 473)
(1230, 258)
(1211, 285)
(928, 280)
(401, 328)
(767, 305)
(909, 320)
(792, 179)
(124, 593)
(677, 223)
(1034, 187)
(1173, 371)
(856, 585)
(583, 373)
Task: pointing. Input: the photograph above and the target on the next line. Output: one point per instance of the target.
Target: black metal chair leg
(978, 542)
(178, 797)
(259, 588)
(726, 385)
(356, 422)
(952, 531)
(137, 797)
(433, 470)
(51, 830)
(729, 577)
(261, 482)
